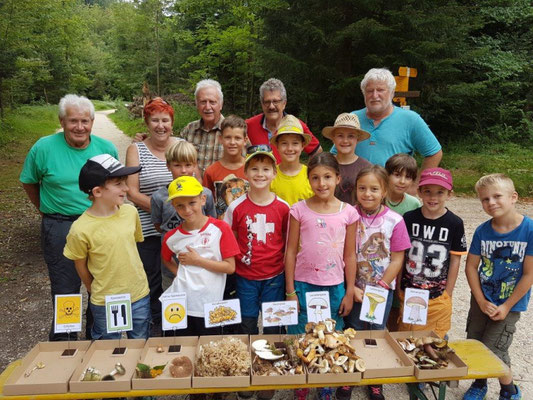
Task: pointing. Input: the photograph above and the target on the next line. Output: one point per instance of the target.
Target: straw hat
(289, 124)
(346, 121)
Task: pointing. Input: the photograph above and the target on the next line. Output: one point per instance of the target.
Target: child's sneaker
(376, 392)
(300, 394)
(476, 392)
(344, 393)
(507, 396)
(325, 393)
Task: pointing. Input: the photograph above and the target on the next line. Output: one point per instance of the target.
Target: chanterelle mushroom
(374, 299)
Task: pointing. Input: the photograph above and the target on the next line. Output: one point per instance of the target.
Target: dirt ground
(25, 290)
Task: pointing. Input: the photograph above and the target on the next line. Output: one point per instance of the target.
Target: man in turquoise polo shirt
(392, 129)
(50, 179)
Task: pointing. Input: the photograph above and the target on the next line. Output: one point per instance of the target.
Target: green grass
(469, 161)
(183, 114)
(19, 130)
(100, 105)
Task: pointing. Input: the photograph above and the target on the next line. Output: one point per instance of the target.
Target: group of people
(227, 210)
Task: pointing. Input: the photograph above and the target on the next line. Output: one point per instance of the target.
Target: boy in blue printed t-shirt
(499, 269)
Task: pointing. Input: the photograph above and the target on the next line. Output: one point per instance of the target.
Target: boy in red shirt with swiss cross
(259, 221)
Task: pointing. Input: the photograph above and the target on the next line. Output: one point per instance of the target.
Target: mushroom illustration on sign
(416, 303)
(318, 305)
(374, 299)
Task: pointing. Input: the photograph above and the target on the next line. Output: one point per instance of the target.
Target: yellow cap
(184, 186)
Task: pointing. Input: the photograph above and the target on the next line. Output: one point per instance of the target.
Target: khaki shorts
(496, 335)
(439, 317)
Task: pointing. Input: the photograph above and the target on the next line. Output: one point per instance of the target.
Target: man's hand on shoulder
(140, 137)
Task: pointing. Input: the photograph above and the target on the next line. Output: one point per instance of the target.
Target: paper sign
(278, 313)
(67, 314)
(415, 306)
(318, 308)
(118, 313)
(222, 313)
(374, 304)
(174, 310)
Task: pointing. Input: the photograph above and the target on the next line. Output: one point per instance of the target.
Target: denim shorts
(140, 312)
(352, 320)
(336, 294)
(252, 293)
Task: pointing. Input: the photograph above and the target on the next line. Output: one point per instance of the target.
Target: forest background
(474, 62)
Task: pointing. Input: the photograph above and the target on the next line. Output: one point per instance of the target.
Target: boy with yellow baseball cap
(205, 249)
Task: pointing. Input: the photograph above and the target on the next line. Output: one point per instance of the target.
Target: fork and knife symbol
(114, 311)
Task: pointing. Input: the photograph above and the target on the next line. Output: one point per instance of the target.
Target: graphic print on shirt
(501, 267)
(428, 258)
(330, 243)
(374, 251)
(227, 191)
(260, 228)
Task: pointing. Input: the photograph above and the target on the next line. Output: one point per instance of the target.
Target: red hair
(158, 105)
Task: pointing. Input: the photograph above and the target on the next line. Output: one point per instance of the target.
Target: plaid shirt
(206, 142)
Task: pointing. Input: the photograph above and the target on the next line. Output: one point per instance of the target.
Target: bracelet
(383, 284)
(290, 294)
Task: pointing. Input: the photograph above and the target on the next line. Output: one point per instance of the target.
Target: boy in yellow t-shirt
(102, 244)
(291, 183)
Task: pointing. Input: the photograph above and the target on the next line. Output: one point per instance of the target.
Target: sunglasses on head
(258, 147)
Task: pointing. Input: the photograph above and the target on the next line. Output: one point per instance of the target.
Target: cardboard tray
(100, 357)
(220, 381)
(387, 360)
(456, 367)
(333, 378)
(54, 377)
(280, 379)
(151, 357)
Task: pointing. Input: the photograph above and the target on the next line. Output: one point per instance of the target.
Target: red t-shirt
(259, 135)
(261, 233)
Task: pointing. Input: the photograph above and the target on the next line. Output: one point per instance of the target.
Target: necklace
(394, 204)
(370, 213)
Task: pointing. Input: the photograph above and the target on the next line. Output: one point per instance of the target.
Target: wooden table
(482, 364)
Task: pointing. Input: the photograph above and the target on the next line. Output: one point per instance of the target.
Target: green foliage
(183, 114)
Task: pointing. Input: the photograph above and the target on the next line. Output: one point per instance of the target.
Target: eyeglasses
(273, 102)
(258, 147)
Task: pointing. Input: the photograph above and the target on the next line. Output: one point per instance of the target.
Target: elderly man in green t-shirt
(50, 179)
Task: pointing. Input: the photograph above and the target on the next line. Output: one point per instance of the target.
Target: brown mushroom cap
(416, 301)
(180, 367)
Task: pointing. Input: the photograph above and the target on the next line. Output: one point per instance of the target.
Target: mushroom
(318, 305)
(374, 299)
(330, 325)
(180, 367)
(416, 303)
(323, 366)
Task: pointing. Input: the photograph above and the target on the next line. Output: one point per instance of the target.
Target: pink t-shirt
(377, 236)
(320, 260)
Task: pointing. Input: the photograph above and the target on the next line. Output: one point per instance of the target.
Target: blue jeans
(251, 294)
(150, 253)
(353, 321)
(140, 313)
(63, 276)
(336, 294)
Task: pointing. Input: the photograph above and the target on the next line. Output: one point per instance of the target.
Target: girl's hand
(358, 295)
(294, 297)
(346, 305)
(190, 257)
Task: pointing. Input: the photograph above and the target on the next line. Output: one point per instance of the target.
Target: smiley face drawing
(174, 313)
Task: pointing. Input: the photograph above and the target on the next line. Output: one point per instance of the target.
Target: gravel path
(25, 298)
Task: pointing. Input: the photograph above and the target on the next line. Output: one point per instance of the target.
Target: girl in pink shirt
(320, 253)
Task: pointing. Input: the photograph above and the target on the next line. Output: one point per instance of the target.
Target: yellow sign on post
(402, 83)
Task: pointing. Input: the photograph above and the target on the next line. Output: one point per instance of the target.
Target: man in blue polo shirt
(392, 129)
